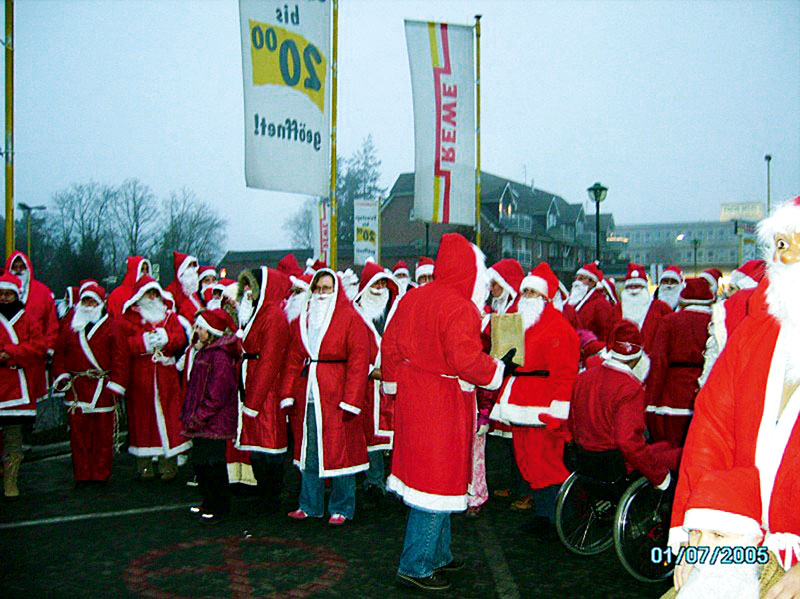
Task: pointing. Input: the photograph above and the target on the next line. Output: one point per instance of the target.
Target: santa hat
(424, 268)
(712, 275)
(180, 262)
(610, 287)
(12, 282)
(289, 266)
(301, 281)
(93, 290)
(508, 273)
(726, 501)
(541, 279)
(214, 321)
(749, 274)
(625, 341)
(400, 268)
(591, 270)
(696, 292)
(671, 272)
(371, 273)
(143, 285)
(562, 289)
(205, 271)
(786, 219)
(636, 275)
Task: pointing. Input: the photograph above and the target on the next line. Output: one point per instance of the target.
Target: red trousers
(540, 456)
(92, 441)
(666, 427)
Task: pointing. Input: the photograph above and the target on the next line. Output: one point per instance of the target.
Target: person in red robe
(264, 332)
(431, 352)
(185, 284)
(676, 362)
(738, 478)
(423, 273)
(587, 307)
(90, 366)
(403, 276)
(22, 352)
(154, 338)
(637, 306)
(670, 284)
(541, 386)
(137, 268)
(330, 356)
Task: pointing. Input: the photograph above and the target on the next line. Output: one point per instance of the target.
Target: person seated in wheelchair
(606, 417)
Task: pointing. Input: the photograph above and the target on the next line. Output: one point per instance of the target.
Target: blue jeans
(544, 500)
(376, 475)
(312, 490)
(427, 544)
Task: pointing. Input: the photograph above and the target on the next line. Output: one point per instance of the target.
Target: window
(551, 219)
(507, 242)
(411, 213)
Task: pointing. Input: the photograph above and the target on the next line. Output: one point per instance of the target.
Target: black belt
(308, 361)
(249, 356)
(686, 365)
(532, 373)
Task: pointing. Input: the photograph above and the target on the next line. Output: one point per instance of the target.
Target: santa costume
(90, 366)
(712, 276)
(739, 474)
(154, 338)
(670, 284)
(289, 266)
(637, 306)
(135, 270)
(403, 276)
(185, 285)
(676, 363)
(424, 269)
(588, 309)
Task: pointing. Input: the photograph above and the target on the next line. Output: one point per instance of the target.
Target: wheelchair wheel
(584, 515)
(641, 524)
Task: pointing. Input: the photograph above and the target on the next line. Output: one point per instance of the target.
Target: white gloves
(483, 429)
(155, 339)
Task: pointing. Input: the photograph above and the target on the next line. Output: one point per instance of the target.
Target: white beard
(189, 281)
(480, 289)
(152, 311)
(245, 311)
(577, 293)
(294, 305)
(530, 308)
(83, 315)
(372, 303)
(500, 304)
(214, 304)
(402, 284)
(783, 302)
(24, 276)
(351, 290)
(204, 287)
(318, 309)
(559, 302)
(670, 296)
(635, 305)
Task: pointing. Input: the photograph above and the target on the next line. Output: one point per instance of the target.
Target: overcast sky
(671, 105)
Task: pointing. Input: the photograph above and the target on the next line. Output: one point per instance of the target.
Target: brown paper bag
(507, 333)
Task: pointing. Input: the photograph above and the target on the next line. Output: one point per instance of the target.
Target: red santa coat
(99, 348)
(120, 295)
(337, 377)
(739, 468)
(676, 362)
(655, 312)
(607, 412)
(21, 338)
(190, 307)
(41, 308)
(154, 397)
(265, 341)
(593, 313)
(431, 346)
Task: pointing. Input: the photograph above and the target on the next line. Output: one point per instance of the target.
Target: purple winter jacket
(211, 407)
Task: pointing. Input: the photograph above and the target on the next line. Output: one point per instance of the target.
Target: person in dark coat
(210, 411)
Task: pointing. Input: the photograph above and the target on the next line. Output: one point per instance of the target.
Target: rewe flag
(443, 88)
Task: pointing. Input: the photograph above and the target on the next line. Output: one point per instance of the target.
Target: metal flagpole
(9, 149)
(478, 131)
(334, 210)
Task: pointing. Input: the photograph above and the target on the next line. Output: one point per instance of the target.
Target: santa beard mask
(670, 295)
(189, 281)
(294, 305)
(24, 276)
(152, 310)
(84, 315)
(500, 304)
(577, 293)
(373, 303)
(530, 308)
(318, 309)
(783, 300)
(245, 310)
(635, 304)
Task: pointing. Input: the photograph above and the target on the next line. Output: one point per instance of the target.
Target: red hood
(373, 272)
(28, 264)
(289, 266)
(133, 270)
(456, 264)
(143, 285)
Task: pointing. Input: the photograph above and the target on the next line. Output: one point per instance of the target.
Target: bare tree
(135, 213)
(300, 227)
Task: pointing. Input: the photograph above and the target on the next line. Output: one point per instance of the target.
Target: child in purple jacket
(210, 410)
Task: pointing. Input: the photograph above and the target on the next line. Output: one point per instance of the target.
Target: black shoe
(453, 566)
(540, 528)
(434, 582)
(373, 497)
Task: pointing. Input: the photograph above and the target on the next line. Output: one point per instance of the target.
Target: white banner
(443, 86)
(320, 227)
(365, 230)
(286, 70)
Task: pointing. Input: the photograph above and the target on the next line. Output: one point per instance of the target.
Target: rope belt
(92, 373)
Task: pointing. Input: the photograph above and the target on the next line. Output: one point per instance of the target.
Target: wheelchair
(600, 504)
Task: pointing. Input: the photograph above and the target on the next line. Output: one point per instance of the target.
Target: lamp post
(597, 193)
(768, 159)
(695, 245)
(28, 209)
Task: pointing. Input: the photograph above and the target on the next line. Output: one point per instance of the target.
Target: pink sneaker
(337, 520)
(297, 515)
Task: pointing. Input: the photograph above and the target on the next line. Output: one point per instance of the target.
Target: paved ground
(136, 539)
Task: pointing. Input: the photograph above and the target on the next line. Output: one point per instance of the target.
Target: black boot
(268, 472)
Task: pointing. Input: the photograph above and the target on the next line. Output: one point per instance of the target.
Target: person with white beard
(90, 366)
(670, 284)
(403, 276)
(537, 395)
(637, 306)
(587, 307)
(155, 338)
(738, 478)
(185, 284)
(299, 295)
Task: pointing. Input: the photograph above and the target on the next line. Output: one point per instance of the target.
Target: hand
(482, 430)
(160, 337)
(681, 572)
(788, 587)
(510, 367)
(376, 374)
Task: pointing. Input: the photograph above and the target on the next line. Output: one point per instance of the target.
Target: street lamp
(28, 209)
(695, 245)
(768, 159)
(597, 193)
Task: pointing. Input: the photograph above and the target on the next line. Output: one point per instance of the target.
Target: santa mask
(577, 292)
(373, 302)
(530, 308)
(500, 304)
(189, 280)
(214, 304)
(635, 304)
(152, 310)
(24, 276)
(84, 315)
(669, 293)
(245, 310)
(294, 305)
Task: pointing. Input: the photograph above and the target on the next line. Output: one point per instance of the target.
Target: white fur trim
(401, 271)
(623, 357)
(426, 501)
(635, 281)
(493, 275)
(115, 388)
(668, 411)
(348, 408)
(695, 305)
(200, 321)
(465, 386)
(677, 536)
(389, 388)
(535, 283)
(11, 286)
(665, 483)
(670, 274)
(720, 521)
(587, 273)
(153, 285)
(92, 295)
(249, 411)
(784, 542)
(711, 281)
(185, 264)
(497, 378)
(559, 409)
(785, 219)
(425, 270)
(287, 403)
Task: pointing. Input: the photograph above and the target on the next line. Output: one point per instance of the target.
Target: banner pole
(478, 131)
(9, 148)
(334, 232)
(380, 227)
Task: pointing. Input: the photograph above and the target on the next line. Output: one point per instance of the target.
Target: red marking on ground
(142, 573)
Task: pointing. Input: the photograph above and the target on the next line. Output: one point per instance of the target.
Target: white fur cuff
(348, 408)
